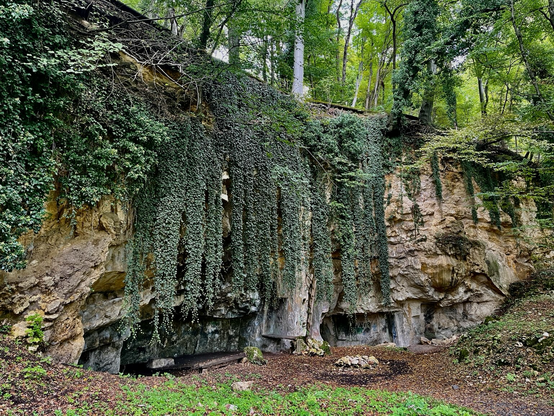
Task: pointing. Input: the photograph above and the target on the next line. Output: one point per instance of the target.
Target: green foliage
(484, 179)
(272, 188)
(436, 176)
(34, 373)
(60, 121)
(34, 333)
(349, 149)
(108, 142)
(420, 34)
(180, 212)
(411, 182)
(174, 396)
(517, 343)
(321, 242)
(507, 159)
(28, 97)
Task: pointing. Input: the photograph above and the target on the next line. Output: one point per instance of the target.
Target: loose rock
(254, 355)
(242, 385)
(358, 361)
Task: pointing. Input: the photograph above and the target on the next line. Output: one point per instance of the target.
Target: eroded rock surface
(65, 261)
(447, 274)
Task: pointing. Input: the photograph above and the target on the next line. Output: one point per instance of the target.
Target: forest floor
(31, 385)
(502, 367)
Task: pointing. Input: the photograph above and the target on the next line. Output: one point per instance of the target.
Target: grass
(177, 398)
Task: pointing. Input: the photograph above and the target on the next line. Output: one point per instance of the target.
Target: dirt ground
(26, 390)
(433, 374)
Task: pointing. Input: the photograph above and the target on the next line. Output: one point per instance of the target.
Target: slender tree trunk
(426, 110)
(483, 95)
(506, 99)
(298, 82)
(234, 46)
(206, 24)
(358, 82)
(236, 4)
(173, 22)
(264, 59)
(525, 56)
(394, 46)
(278, 52)
(368, 90)
(311, 80)
(339, 30)
(393, 21)
(353, 14)
(272, 61)
(376, 88)
(380, 74)
(550, 16)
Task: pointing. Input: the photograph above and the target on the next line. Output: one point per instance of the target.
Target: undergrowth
(517, 345)
(175, 397)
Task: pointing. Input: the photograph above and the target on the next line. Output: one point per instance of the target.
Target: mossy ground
(515, 349)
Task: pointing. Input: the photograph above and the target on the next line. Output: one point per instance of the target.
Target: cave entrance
(361, 329)
(429, 310)
(194, 363)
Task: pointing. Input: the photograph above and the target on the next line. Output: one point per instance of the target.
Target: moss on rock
(254, 355)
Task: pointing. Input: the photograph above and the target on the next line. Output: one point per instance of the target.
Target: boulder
(242, 385)
(254, 355)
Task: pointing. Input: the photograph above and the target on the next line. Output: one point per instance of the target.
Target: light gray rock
(160, 363)
(242, 385)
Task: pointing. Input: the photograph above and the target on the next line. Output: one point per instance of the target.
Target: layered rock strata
(447, 274)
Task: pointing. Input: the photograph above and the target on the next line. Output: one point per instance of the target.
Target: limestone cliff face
(447, 274)
(66, 264)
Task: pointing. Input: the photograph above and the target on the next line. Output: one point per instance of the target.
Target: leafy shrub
(35, 335)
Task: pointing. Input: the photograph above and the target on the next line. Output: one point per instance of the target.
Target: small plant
(35, 336)
(5, 328)
(46, 360)
(34, 373)
(78, 374)
(511, 377)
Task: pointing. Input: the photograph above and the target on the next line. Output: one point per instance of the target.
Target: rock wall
(447, 274)
(71, 263)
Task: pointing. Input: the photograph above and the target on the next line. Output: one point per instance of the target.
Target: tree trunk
(376, 88)
(525, 57)
(353, 14)
(368, 91)
(264, 59)
(234, 46)
(298, 81)
(358, 82)
(483, 95)
(236, 4)
(271, 61)
(551, 13)
(392, 15)
(339, 29)
(206, 24)
(426, 110)
(173, 22)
